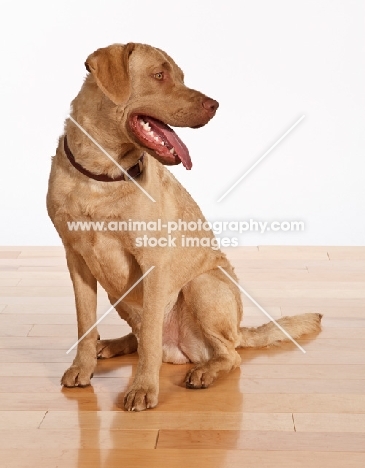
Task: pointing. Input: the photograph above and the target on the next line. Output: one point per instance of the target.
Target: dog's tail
(269, 334)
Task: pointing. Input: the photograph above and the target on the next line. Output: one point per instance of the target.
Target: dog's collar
(133, 171)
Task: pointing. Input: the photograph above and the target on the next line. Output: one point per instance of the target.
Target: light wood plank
(42, 252)
(36, 275)
(64, 282)
(274, 274)
(26, 248)
(336, 275)
(248, 413)
(6, 282)
(39, 301)
(298, 285)
(104, 384)
(34, 261)
(343, 322)
(277, 264)
(47, 301)
(9, 253)
(275, 403)
(10, 329)
(176, 458)
(336, 344)
(293, 252)
(305, 371)
(199, 420)
(341, 333)
(106, 331)
(310, 303)
(346, 253)
(333, 422)
(308, 294)
(335, 265)
(72, 439)
(35, 291)
(60, 318)
(180, 399)
(261, 440)
(248, 252)
(46, 307)
(279, 252)
(10, 420)
(49, 269)
(343, 311)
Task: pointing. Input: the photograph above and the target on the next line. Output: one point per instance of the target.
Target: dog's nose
(210, 105)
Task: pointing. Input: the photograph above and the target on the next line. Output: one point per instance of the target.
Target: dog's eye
(158, 76)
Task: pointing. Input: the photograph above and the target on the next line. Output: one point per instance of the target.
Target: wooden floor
(282, 408)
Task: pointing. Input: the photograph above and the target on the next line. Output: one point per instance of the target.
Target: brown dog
(186, 308)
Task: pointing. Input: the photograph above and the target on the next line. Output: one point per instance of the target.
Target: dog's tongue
(167, 132)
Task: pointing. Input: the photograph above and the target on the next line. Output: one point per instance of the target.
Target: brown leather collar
(133, 171)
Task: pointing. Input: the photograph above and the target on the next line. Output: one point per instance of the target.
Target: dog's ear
(110, 68)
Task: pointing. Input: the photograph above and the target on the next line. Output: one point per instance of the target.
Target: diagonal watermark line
(260, 159)
(263, 310)
(110, 309)
(111, 159)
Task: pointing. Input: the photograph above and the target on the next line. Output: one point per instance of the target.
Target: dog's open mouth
(159, 137)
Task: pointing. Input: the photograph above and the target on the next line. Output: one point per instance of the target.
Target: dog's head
(148, 88)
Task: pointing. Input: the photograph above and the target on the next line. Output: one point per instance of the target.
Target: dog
(186, 308)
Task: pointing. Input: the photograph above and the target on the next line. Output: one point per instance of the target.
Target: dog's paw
(76, 376)
(199, 377)
(140, 398)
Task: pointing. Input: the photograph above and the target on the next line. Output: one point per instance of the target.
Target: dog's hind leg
(212, 304)
(117, 347)
(203, 375)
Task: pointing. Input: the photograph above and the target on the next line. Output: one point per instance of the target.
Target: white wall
(266, 61)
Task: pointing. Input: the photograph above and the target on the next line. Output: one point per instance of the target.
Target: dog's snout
(210, 105)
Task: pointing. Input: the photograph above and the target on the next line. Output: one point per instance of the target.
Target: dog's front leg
(84, 283)
(143, 393)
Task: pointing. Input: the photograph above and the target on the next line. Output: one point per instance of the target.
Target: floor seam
(45, 414)
(292, 416)
(157, 437)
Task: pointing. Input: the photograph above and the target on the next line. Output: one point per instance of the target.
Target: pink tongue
(180, 148)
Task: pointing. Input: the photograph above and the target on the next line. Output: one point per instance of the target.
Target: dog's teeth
(172, 150)
(156, 138)
(162, 143)
(145, 125)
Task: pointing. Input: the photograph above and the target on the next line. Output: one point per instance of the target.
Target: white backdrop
(267, 62)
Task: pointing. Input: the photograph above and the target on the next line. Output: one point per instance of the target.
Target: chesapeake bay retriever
(185, 309)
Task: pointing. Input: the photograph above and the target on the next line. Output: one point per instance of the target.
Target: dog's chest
(114, 268)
